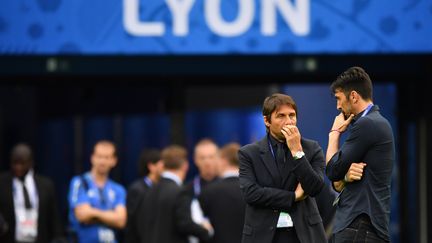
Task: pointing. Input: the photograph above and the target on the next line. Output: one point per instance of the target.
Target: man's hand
(340, 124)
(355, 172)
(85, 213)
(292, 136)
(206, 224)
(299, 193)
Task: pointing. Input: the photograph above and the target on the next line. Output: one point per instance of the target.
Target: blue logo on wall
(166, 27)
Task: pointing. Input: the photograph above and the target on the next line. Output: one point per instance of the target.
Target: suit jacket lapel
(287, 170)
(290, 179)
(269, 161)
(40, 193)
(10, 201)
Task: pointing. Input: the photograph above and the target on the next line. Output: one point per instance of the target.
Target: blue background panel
(56, 27)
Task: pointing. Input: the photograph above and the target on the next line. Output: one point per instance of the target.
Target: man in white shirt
(28, 201)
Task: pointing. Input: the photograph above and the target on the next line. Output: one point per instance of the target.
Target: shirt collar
(230, 173)
(172, 176)
(273, 141)
(360, 114)
(28, 176)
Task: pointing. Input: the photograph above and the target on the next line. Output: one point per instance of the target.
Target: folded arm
(115, 218)
(353, 150)
(310, 173)
(257, 195)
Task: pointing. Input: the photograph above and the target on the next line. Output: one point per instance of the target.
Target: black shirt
(370, 140)
(283, 166)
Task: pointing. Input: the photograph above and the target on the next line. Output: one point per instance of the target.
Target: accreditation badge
(284, 220)
(106, 235)
(26, 224)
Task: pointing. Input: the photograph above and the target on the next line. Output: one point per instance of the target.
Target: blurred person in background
(96, 203)
(206, 160)
(165, 217)
(28, 202)
(222, 201)
(150, 168)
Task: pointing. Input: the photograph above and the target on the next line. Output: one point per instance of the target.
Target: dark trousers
(360, 230)
(284, 235)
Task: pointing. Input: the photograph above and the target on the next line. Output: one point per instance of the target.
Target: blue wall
(98, 27)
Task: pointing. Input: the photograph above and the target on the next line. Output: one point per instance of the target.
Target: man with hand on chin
(363, 206)
(279, 176)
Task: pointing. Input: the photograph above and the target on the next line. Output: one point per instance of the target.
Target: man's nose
(290, 122)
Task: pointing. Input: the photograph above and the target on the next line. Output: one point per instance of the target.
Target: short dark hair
(148, 156)
(230, 152)
(273, 102)
(174, 156)
(353, 79)
(106, 142)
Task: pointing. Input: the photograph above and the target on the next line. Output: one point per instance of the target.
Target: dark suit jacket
(223, 204)
(165, 215)
(49, 224)
(190, 186)
(136, 193)
(267, 193)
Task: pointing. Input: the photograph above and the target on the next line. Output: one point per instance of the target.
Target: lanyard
(270, 146)
(33, 195)
(367, 110)
(147, 181)
(197, 186)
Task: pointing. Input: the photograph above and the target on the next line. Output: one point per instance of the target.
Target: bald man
(28, 201)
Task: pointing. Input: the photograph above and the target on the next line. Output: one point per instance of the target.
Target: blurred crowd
(160, 206)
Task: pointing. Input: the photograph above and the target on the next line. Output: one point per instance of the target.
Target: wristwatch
(298, 155)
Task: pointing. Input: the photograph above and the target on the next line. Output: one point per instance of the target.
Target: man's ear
(354, 96)
(150, 167)
(266, 121)
(115, 161)
(186, 166)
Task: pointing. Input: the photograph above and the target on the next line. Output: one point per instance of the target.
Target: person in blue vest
(96, 203)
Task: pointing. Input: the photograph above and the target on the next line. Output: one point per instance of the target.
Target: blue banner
(215, 27)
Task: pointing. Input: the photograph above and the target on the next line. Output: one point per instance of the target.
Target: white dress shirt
(25, 219)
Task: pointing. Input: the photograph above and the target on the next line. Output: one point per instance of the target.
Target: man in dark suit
(206, 159)
(28, 202)
(279, 176)
(165, 215)
(150, 167)
(361, 169)
(222, 201)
